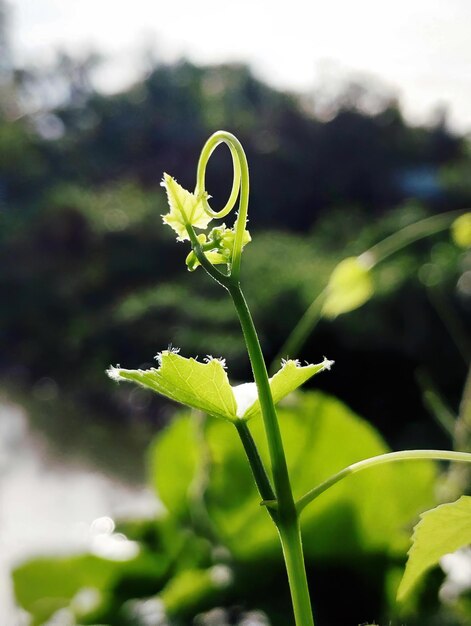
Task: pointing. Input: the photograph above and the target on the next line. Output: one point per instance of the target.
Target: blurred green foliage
(217, 546)
(89, 277)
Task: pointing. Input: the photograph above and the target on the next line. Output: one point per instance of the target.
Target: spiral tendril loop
(240, 188)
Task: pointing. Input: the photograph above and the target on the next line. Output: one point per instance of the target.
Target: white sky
(419, 48)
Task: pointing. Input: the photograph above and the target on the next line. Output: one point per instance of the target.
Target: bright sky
(419, 48)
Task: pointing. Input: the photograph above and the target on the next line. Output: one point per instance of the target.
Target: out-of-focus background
(355, 118)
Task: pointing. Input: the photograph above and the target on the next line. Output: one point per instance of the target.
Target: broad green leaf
(202, 386)
(291, 376)
(44, 585)
(350, 286)
(440, 531)
(185, 208)
(173, 461)
(461, 231)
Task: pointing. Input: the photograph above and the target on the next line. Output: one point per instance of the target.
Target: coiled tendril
(240, 189)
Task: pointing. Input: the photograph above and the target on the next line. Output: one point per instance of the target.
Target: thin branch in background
(436, 404)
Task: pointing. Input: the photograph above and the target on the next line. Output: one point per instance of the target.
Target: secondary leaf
(440, 531)
(202, 386)
(350, 285)
(185, 208)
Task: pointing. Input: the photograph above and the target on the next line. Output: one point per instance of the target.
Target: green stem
(285, 516)
(390, 457)
(462, 434)
(260, 475)
(302, 330)
(290, 536)
(218, 276)
(270, 419)
(453, 324)
(436, 405)
(408, 235)
(458, 477)
(465, 405)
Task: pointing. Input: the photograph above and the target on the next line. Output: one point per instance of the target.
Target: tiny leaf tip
(209, 358)
(327, 364)
(113, 372)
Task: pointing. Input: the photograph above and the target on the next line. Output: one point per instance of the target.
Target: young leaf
(440, 531)
(350, 286)
(205, 386)
(202, 386)
(214, 257)
(291, 376)
(185, 208)
(218, 246)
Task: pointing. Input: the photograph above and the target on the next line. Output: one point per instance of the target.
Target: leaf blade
(440, 531)
(202, 386)
(185, 208)
(291, 376)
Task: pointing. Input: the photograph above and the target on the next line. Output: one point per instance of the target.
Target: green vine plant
(205, 385)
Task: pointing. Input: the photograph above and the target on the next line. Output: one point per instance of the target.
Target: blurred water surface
(49, 506)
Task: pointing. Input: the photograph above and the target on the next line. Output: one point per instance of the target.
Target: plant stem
(261, 478)
(270, 419)
(436, 405)
(302, 330)
(410, 234)
(465, 408)
(290, 536)
(452, 322)
(285, 516)
(390, 457)
(215, 274)
(279, 501)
